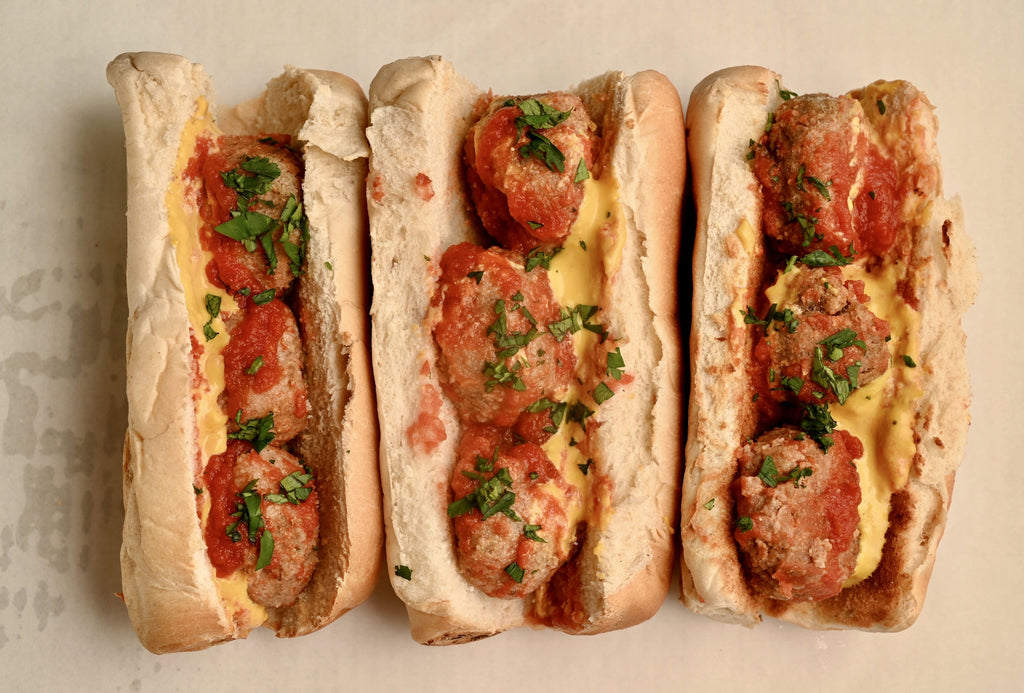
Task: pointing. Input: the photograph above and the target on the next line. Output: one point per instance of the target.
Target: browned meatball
(263, 366)
(825, 183)
(295, 527)
(830, 345)
(512, 511)
(525, 163)
(241, 482)
(796, 507)
(497, 355)
(267, 175)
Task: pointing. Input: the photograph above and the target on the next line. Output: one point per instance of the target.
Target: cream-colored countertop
(63, 313)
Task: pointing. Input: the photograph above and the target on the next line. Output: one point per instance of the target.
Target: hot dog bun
(419, 204)
(726, 116)
(173, 597)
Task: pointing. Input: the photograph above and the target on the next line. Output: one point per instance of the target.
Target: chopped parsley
(530, 532)
(831, 258)
(515, 571)
(493, 496)
(818, 424)
(252, 178)
(615, 364)
(213, 310)
(404, 572)
(255, 366)
(785, 317)
(248, 512)
(771, 477)
(259, 432)
(293, 489)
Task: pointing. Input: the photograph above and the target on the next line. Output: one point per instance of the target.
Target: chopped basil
(585, 468)
(404, 572)
(539, 115)
(476, 275)
(255, 366)
(821, 187)
(556, 411)
(881, 106)
(744, 524)
(909, 361)
(710, 504)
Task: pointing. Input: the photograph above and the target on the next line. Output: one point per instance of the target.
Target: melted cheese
(880, 414)
(184, 222)
(589, 257)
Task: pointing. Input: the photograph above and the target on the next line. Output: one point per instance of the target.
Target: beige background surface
(62, 321)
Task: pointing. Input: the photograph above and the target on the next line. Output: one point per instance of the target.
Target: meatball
(524, 165)
(512, 513)
(805, 164)
(288, 512)
(830, 345)
(263, 365)
(268, 174)
(797, 507)
(497, 356)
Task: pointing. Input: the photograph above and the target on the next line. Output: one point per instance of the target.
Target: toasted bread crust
(726, 111)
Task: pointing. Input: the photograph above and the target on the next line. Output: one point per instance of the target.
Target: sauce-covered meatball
(263, 177)
(825, 183)
(512, 513)
(497, 356)
(240, 476)
(263, 365)
(829, 345)
(796, 506)
(525, 163)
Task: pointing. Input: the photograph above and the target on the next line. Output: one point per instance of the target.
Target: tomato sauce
(878, 208)
(256, 336)
(219, 476)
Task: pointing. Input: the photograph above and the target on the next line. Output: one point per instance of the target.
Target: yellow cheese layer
(880, 414)
(590, 255)
(185, 224)
(184, 221)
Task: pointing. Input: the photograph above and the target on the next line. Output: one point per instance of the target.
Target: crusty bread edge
(167, 578)
(430, 104)
(725, 111)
